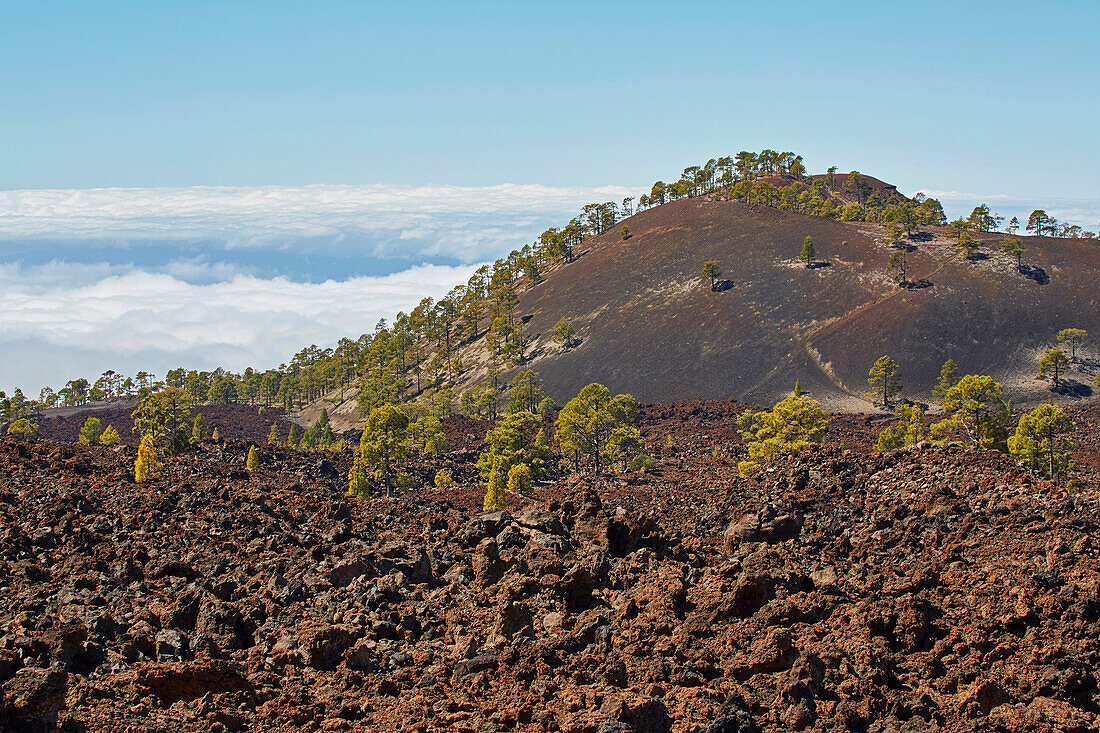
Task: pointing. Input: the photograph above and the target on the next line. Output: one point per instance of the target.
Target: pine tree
(358, 485)
(494, 493)
(883, 380)
(949, 377)
(383, 442)
(110, 436)
(711, 272)
(215, 436)
(91, 431)
(808, 253)
(293, 437)
(1072, 337)
(1037, 441)
(584, 426)
(1014, 246)
(198, 429)
(565, 334)
(519, 478)
(791, 425)
(1054, 362)
(252, 463)
(977, 411)
(148, 463)
(273, 435)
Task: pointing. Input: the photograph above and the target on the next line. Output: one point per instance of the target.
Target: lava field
(922, 589)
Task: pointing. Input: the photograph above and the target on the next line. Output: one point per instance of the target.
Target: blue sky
(226, 128)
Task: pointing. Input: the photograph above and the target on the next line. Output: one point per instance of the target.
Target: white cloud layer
(1083, 212)
(63, 321)
(466, 224)
(150, 279)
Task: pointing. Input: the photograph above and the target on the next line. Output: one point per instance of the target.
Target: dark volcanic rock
(925, 589)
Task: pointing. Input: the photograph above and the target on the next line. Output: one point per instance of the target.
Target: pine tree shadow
(919, 284)
(921, 236)
(1037, 274)
(817, 265)
(1072, 388)
(720, 285)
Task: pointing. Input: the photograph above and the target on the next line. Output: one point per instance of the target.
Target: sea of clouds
(151, 279)
(154, 278)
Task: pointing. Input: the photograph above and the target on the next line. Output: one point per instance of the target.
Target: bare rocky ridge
(922, 589)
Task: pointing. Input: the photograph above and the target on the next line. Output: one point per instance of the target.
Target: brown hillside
(650, 326)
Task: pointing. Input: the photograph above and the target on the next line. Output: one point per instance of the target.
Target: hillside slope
(649, 326)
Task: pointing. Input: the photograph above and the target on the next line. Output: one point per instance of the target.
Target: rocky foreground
(924, 589)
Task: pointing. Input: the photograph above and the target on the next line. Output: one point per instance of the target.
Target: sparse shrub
(253, 461)
(148, 463)
(339, 445)
(110, 436)
(643, 463)
(748, 468)
(23, 427)
(494, 493)
(215, 436)
(443, 478)
(91, 431)
(519, 479)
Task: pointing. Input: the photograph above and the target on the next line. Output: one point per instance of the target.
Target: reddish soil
(924, 589)
(234, 422)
